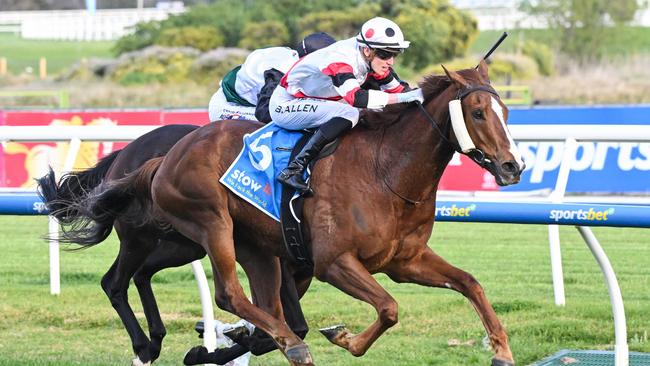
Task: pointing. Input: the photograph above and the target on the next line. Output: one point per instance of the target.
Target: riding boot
(292, 175)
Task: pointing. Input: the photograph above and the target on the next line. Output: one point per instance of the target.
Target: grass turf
(620, 41)
(23, 53)
(511, 261)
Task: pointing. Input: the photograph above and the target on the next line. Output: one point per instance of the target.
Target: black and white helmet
(382, 33)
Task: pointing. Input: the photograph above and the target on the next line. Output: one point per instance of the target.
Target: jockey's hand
(410, 96)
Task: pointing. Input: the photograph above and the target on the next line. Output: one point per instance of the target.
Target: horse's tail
(128, 198)
(73, 187)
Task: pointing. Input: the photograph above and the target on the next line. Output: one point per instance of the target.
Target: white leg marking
(137, 362)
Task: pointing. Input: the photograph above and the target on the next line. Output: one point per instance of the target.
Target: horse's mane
(432, 85)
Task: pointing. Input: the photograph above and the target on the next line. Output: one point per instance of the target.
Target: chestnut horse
(372, 210)
(144, 249)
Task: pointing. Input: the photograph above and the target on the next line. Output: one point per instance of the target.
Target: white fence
(80, 25)
(569, 134)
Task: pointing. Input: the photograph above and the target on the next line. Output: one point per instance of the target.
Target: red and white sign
(21, 163)
(462, 174)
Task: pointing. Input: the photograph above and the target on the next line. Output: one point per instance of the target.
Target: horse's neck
(413, 155)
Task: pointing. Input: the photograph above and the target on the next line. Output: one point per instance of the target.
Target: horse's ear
(456, 78)
(483, 71)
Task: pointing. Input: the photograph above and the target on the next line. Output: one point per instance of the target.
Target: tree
(339, 24)
(583, 25)
(264, 34)
(437, 30)
(202, 38)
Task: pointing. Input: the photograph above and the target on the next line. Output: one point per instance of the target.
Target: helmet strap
(365, 40)
(367, 44)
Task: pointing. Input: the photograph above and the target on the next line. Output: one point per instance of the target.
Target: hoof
(195, 356)
(200, 328)
(259, 343)
(498, 362)
(332, 332)
(299, 355)
(137, 362)
(237, 334)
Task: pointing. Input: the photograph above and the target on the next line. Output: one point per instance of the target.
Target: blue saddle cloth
(252, 175)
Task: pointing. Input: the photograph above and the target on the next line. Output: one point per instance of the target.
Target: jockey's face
(380, 60)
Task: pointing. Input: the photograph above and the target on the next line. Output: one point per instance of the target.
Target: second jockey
(237, 96)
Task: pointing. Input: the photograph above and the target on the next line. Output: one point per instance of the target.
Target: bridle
(477, 155)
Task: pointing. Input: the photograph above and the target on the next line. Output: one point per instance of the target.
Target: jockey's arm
(271, 80)
(347, 86)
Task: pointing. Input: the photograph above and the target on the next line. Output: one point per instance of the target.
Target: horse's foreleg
(350, 276)
(429, 269)
(168, 253)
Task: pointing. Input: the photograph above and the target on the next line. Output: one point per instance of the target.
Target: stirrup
(287, 177)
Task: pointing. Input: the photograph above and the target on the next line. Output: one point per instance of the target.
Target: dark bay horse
(144, 249)
(372, 211)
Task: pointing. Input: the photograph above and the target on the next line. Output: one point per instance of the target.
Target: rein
(381, 143)
(475, 154)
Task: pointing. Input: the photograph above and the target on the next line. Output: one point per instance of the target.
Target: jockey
(237, 96)
(312, 91)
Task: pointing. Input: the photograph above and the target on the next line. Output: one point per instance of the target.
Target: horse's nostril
(509, 167)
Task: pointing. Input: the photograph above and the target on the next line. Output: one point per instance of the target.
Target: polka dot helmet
(382, 33)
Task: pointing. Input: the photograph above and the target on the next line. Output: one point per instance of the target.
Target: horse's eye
(478, 114)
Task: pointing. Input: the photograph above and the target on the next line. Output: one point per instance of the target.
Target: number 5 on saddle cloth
(252, 177)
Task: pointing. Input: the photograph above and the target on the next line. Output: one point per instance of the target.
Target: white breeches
(294, 113)
(220, 109)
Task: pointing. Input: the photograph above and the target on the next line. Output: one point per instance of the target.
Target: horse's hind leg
(215, 231)
(115, 284)
(257, 269)
(428, 269)
(349, 275)
(170, 252)
(199, 355)
(258, 343)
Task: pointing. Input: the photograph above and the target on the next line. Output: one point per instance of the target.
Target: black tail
(60, 199)
(128, 198)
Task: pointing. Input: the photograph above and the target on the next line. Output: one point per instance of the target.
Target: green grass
(22, 53)
(622, 41)
(79, 327)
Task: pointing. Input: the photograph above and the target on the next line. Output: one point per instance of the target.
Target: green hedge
(264, 34)
(502, 68)
(154, 64)
(437, 30)
(202, 37)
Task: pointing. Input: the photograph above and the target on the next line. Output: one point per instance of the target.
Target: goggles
(384, 54)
